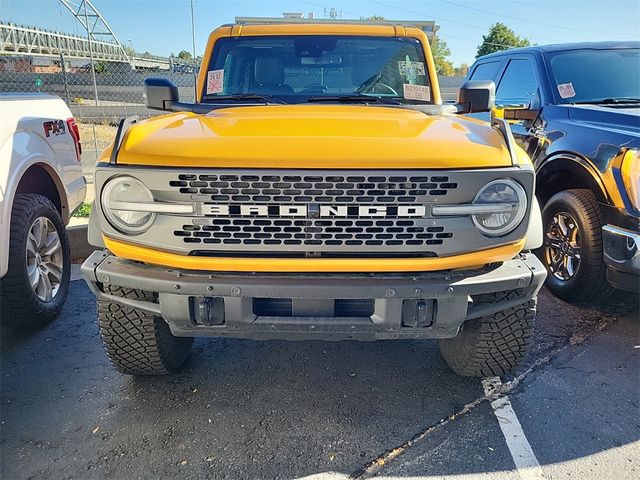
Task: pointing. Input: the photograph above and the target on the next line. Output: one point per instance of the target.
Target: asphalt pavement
(244, 409)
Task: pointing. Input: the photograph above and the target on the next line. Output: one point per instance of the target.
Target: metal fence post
(64, 79)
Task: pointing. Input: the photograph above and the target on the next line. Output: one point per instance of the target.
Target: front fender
(23, 151)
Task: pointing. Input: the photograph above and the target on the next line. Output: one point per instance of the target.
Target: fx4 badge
(54, 127)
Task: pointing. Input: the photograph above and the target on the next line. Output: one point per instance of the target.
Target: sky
(164, 26)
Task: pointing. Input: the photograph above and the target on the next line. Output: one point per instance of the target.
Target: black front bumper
(317, 306)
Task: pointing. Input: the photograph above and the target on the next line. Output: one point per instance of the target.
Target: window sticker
(215, 81)
(409, 68)
(566, 90)
(416, 92)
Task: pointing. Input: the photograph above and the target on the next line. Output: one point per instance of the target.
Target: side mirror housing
(476, 96)
(518, 112)
(160, 93)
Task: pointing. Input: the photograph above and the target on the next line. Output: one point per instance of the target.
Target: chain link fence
(99, 101)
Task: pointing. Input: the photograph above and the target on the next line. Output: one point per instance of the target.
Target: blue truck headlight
(631, 176)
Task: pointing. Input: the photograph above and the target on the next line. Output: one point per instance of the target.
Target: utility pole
(193, 42)
(93, 67)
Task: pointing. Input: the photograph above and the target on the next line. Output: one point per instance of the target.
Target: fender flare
(575, 164)
(12, 185)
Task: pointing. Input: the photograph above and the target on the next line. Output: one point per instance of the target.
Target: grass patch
(103, 134)
(83, 211)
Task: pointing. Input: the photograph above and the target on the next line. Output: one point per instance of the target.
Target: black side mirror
(160, 93)
(476, 96)
(519, 112)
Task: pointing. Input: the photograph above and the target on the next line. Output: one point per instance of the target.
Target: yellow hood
(314, 136)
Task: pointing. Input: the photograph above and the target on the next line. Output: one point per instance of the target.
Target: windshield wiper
(375, 78)
(354, 98)
(239, 97)
(609, 101)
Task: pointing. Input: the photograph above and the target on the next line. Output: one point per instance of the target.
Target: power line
(440, 19)
(406, 10)
(422, 15)
(527, 20)
(476, 41)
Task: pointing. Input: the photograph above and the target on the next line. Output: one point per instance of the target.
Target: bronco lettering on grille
(312, 210)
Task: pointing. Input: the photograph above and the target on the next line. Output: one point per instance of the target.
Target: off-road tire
(493, 345)
(20, 308)
(137, 342)
(589, 283)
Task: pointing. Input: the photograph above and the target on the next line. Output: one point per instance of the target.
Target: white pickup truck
(41, 184)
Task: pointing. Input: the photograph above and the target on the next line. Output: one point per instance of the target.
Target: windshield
(592, 76)
(301, 68)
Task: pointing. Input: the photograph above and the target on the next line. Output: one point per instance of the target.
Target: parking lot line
(525, 460)
(76, 274)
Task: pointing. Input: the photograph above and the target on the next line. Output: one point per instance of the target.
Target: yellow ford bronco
(318, 188)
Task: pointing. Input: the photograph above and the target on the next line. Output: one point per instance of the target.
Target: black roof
(561, 47)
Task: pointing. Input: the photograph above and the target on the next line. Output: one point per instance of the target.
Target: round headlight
(511, 206)
(116, 194)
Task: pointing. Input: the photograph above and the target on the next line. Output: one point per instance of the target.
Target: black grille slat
(261, 231)
(332, 189)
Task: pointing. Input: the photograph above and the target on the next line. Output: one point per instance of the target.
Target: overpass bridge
(23, 40)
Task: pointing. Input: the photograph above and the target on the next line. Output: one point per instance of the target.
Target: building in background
(427, 26)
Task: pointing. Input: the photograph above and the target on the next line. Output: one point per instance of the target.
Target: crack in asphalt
(374, 466)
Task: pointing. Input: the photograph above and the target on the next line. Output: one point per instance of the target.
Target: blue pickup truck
(575, 108)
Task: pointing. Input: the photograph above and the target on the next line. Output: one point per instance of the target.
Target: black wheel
(492, 345)
(136, 342)
(37, 282)
(572, 249)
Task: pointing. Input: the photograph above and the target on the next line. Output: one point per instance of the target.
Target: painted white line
(75, 272)
(521, 452)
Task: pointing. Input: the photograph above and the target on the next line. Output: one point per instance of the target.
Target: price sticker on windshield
(416, 92)
(566, 90)
(215, 81)
(409, 68)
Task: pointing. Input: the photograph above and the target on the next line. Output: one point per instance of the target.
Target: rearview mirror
(326, 60)
(160, 93)
(476, 96)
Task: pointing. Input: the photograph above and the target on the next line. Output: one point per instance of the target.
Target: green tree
(441, 52)
(184, 55)
(500, 37)
(445, 69)
(376, 18)
(100, 66)
(461, 71)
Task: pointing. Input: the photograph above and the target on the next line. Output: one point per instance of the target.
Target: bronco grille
(331, 213)
(353, 233)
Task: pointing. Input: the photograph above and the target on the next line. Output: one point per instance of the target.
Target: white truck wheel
(37, 282)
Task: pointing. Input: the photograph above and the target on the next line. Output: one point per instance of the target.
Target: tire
(136, 342)
(588, 281)
(493, 345)
(21, 306)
